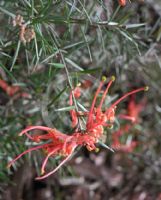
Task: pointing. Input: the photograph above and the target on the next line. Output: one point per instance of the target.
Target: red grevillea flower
(59, 144)
(133, 110)
(122, 2)
(13, 90)
(117, 145)
(97, 119)
(64, 145)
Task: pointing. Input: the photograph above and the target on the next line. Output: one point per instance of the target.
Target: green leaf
(89, 71)
(7, 71)
(68, 108)
(128, 26)
(57, 65)
(57, 97)
(16, 55)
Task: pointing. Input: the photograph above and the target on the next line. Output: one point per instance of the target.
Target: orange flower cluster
(13, 90)
(122, 2)
(63, 144)
(133, 112)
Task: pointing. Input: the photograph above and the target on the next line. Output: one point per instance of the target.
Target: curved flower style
(97, 119)
(64, 145)
(59, 144)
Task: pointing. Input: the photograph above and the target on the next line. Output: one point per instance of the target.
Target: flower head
(58, 144)
(63, 144)
(122, 2)
(98, 118)
(133, 110)
(13, 90)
